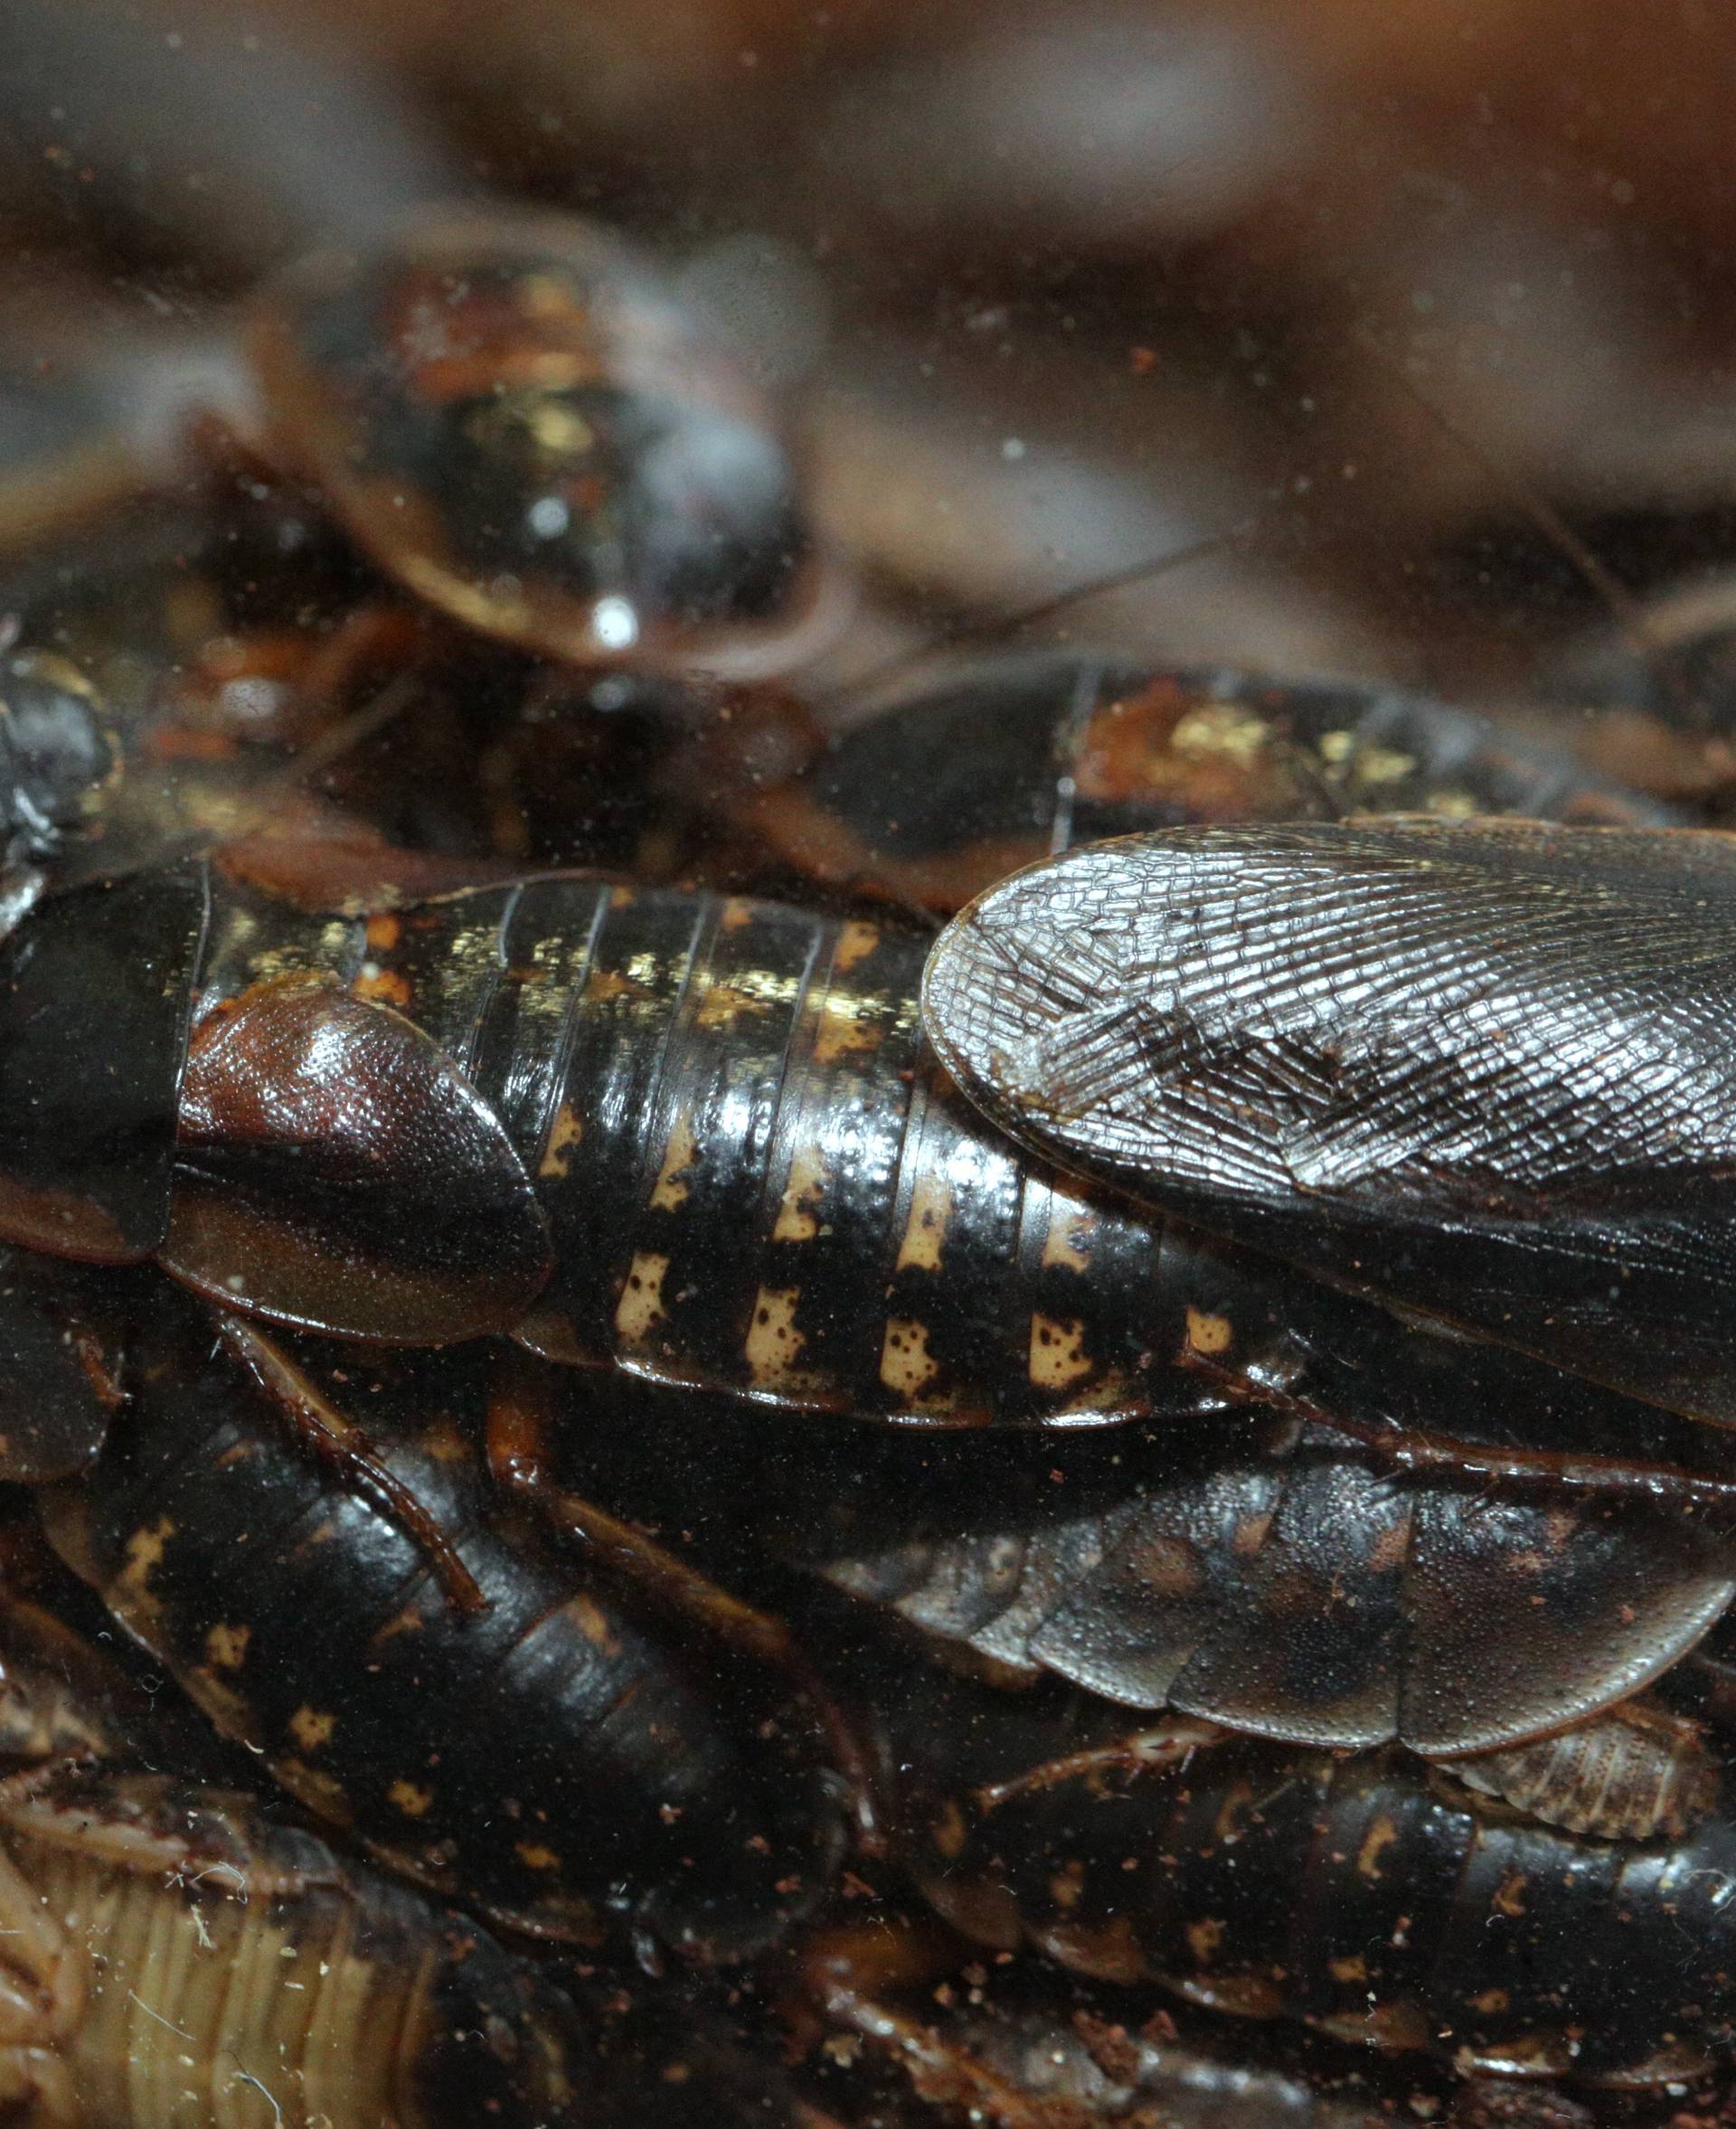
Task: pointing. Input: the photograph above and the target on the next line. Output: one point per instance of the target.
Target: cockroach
(1476, 1068)
(521, 424)
(1284, 1589)
(934, 795)
(1005, 2046)
(597, 1740)
(698, 1139)
(1371, 1898)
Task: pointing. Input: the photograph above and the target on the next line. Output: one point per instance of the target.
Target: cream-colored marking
(1349, 1971)
(1218, 731)
(1510, 1895)
(593, 1624)
(1391, 1548)
(1208, 1335)
(1383, 765)
(1378, 1839)
(798, 1217)
(414, 1802)
(737, 913)
(226, 1646)
(145, 1550)
(906, 1366)
(1066, 1884)
(672, 1192)
(773, 1341)
(848, 1028)
(311, 1726)
(1058, 1352)
(1067, 1245)
(383, 987)
(567, 1131)
(856, 942)
(1205, 1940)
(925, 1231)
(640, 1308)
(719, 1006)
(1250, 1535)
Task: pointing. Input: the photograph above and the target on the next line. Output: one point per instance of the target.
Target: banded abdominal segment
(754, 1177)
(1372, 1898)
(581, 1746)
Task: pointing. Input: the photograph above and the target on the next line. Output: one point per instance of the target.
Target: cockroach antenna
(978, 629)
(1624, 609)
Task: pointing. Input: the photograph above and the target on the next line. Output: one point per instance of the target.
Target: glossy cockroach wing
(1483, 1069)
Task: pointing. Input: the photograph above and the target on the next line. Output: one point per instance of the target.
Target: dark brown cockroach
(524, 426)
(166, 1945)
(698, 1139)
(1476, 1069)
(1284, 1589)
(950, 784)
(599, 1738)
(1007, 2047)
(1373, 1899)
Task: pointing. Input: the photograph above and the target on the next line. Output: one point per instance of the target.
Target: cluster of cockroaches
(1293, 1248)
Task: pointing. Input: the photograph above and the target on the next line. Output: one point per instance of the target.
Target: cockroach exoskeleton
(1372, 1898)
(566, 1738)
(1476, 1068)
(1283, 1590)
(683, 1136)
(1014, 2045)
(524, 426)
(962, 777)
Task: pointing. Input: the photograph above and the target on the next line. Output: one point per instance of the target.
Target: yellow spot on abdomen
(672, 1192)
(640, 1308)
(145, 1550)
(383, 987)
(384, 931)
(1066, 1246)
(856, 942)
(925, 1231)
(845, 1029)
(567, 1131)
(534, 1856)
(413, 1802)
(799, 1209)
(312, 1727)
(1058, 1355)
(773, 1343)
(1378, 1839)
(1208, 1335)
(593, 1624)
(907, 1368)
(226, 1646)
